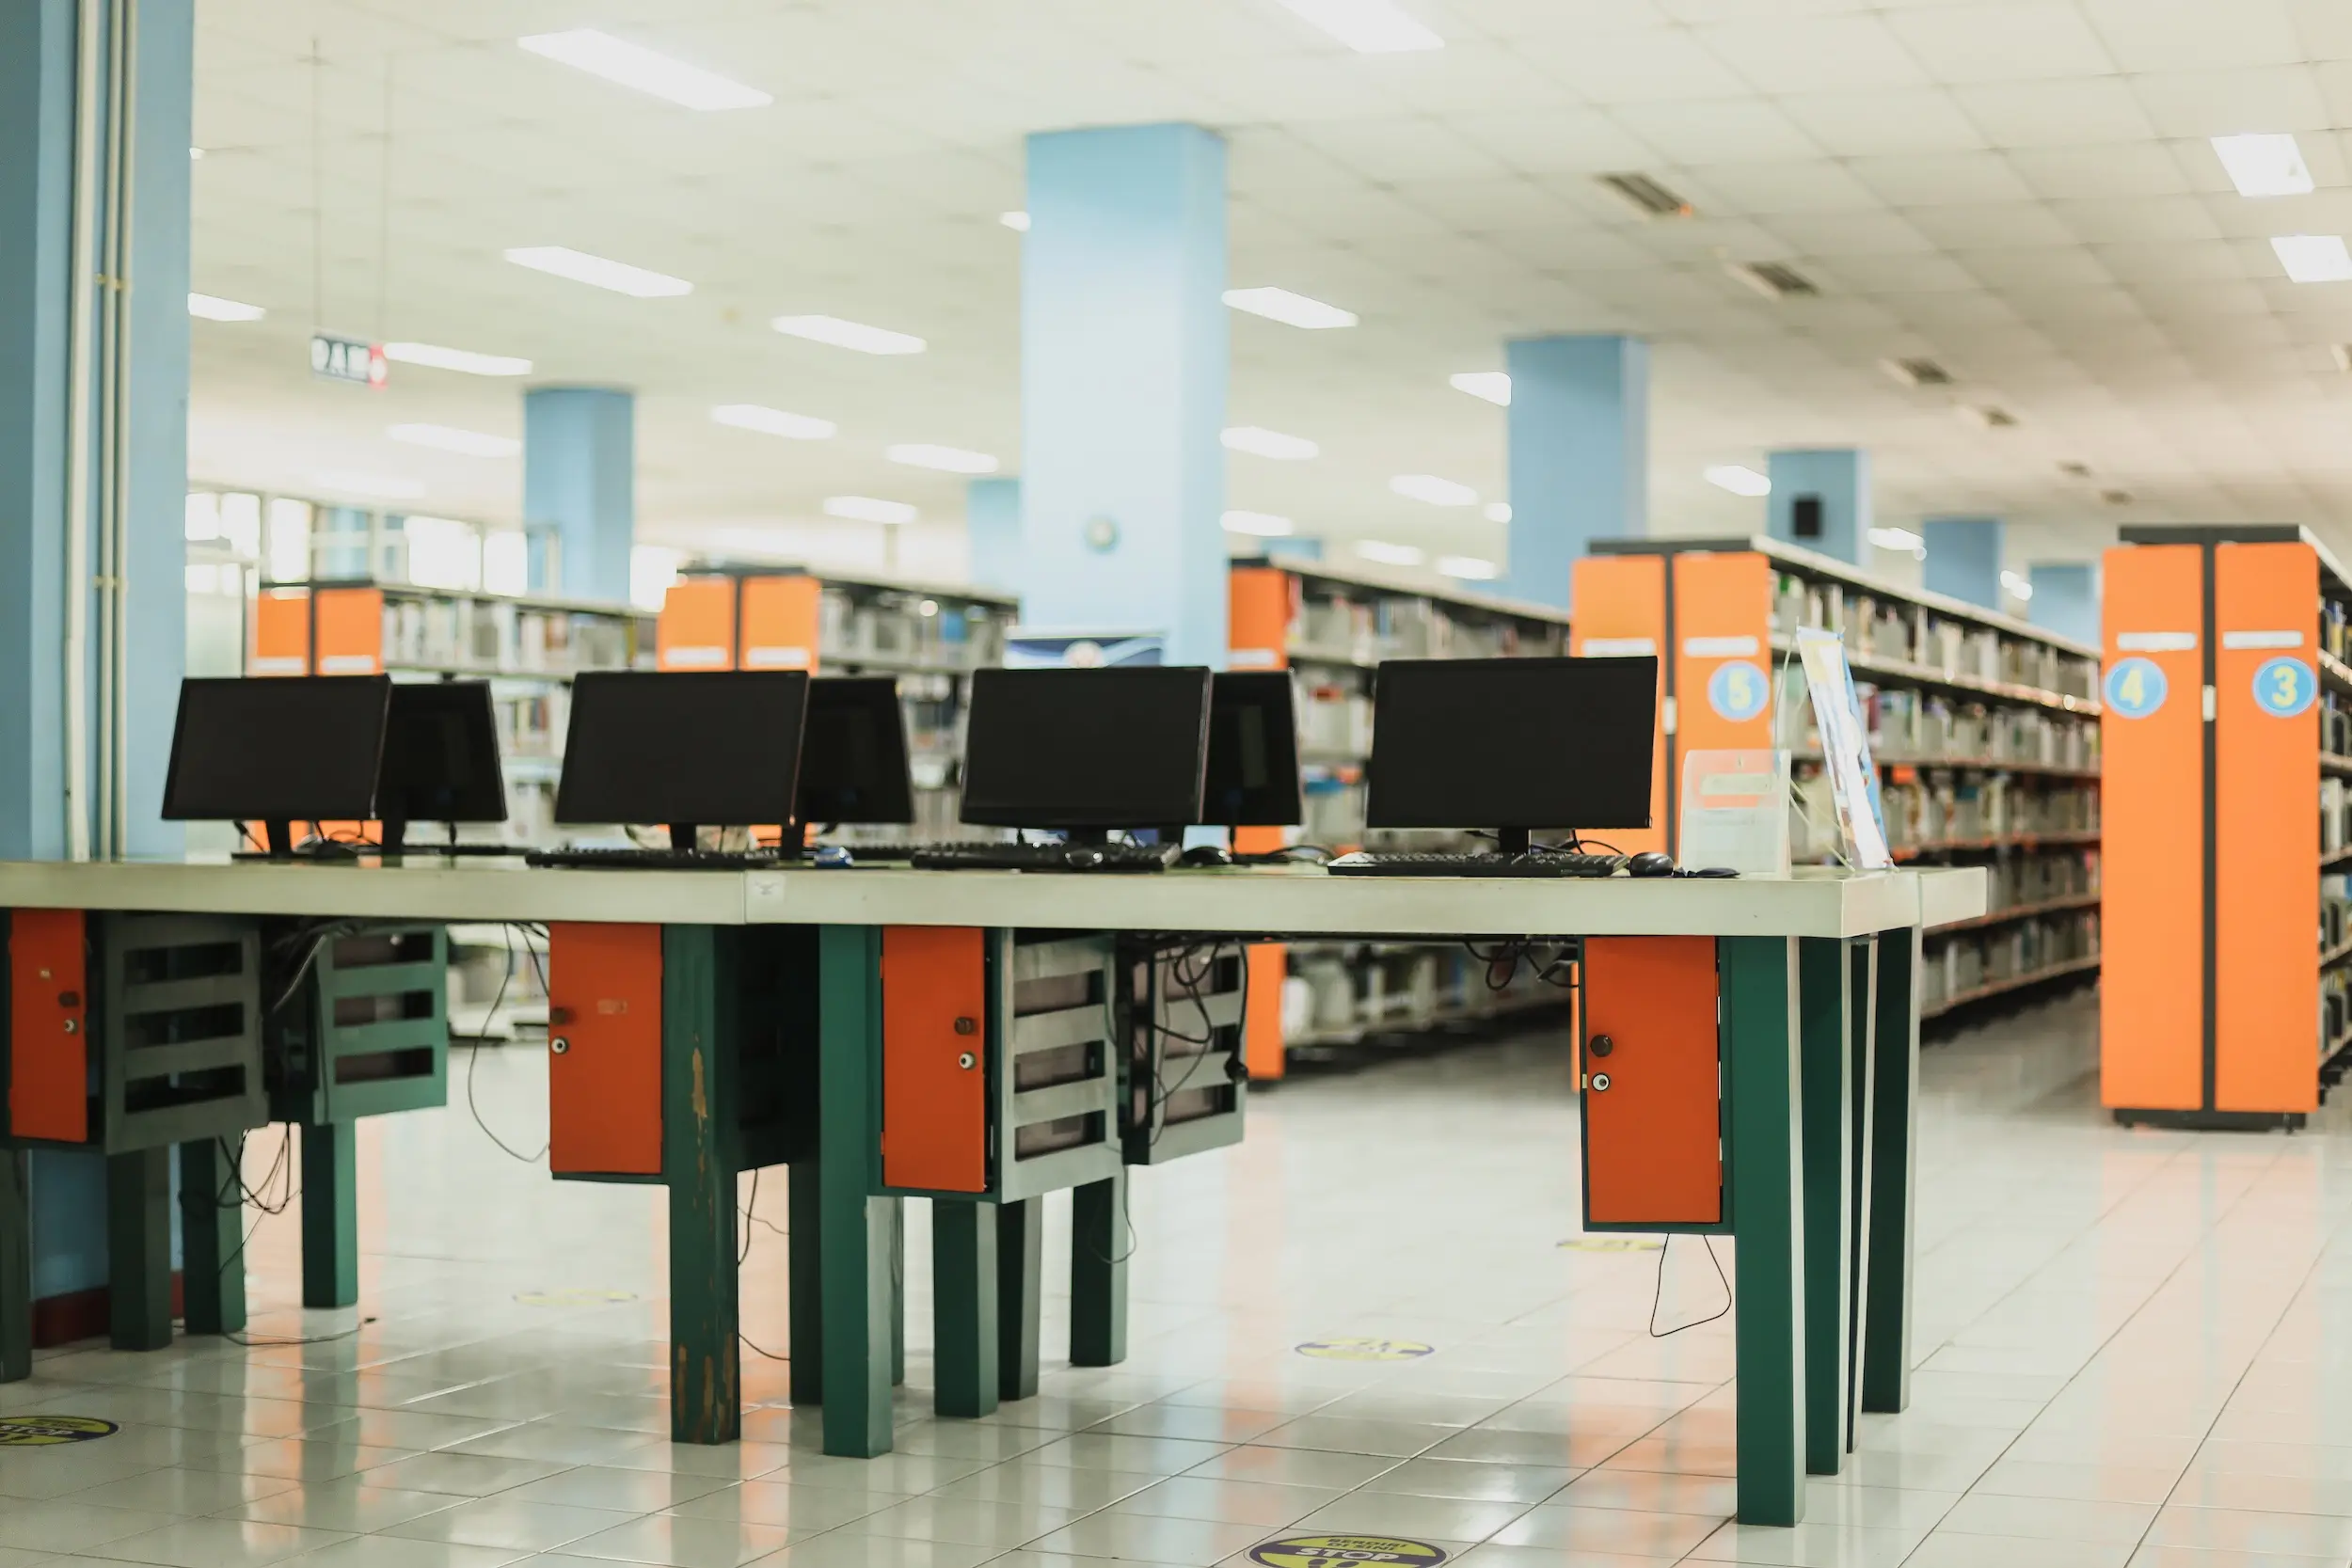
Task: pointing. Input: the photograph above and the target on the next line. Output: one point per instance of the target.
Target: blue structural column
(1964, 559)
(579, 488)
(38, 367)
(1822, 500)
(1580, 454)
(2065, 598)
(1123, 357)
(992, 524)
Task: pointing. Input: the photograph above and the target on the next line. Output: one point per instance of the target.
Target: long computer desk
(1819, 1045)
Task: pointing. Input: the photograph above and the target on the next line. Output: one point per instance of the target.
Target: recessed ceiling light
(1269, 443)
(213, 309)
(1388, 554)
(1263, 524)
(2017, 585)
(343, 483)
(581, 267)
(948, 460)
(1494, 386)
(2263, 163)
(866, 509)
(1646, 196)
(1367, 26)
(2314, 258)
(1435, 491)
(1739, 479)
(1899, 539)
(774, 421)
(1019, 222)
(632, 66)
(193, 153)
(1773, 281)
(848, 333)
(1280, 305)
(465, 361)
(1468, 567)
(442, 438)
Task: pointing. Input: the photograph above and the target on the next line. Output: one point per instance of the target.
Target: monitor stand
(683, 835)
(1095, 837)
(1511, 841)
(391, 833)
(278, 840)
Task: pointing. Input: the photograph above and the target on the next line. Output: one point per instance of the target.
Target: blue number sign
(2135, 687)
(1737, 691)
(2286, 686)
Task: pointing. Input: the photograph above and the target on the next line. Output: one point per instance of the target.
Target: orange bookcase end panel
(1653, 1123)
(934, 985)
(1722, 654)
(48, 1053)
(349, 624)
(282, 633)
(1619, 604)
(780, 624)
(1261, 602)
(604, 1043)
(697, 628)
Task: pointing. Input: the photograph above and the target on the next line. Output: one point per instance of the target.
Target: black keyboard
(1476, 863)
(1050, 857)
(656, 860)
(862, 852)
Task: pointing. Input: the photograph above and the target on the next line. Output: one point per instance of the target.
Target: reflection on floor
(2122, 1359)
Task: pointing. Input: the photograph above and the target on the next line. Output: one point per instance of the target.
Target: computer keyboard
(864, 853)
(656, 860)
(1050, 857)
(1475, 864)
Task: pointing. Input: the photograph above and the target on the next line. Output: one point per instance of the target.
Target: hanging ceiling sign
(352, 359)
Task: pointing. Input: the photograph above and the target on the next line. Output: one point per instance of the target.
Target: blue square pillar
(1820, 499)
(991, 525)
(2065, 598)
(1964, 559)
(580, 487)
(1123, 360)
(1580, 454)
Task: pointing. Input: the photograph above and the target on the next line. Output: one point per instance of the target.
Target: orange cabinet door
(1653, 1124)
(604, 1077)
(934, 1134)
(48, 1026)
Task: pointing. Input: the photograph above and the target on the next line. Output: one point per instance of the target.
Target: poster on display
(1735, 811)
(1035, 648)
(1853, 778)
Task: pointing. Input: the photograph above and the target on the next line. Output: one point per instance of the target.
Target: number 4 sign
(2135, 687)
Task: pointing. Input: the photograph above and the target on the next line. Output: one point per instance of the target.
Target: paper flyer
(1853, 779)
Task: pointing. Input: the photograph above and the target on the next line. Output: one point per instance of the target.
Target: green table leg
(1765, 1183)
(854, 1225)
(700, 1157)
(1893, 1144)
(804, 1289)
(1824, 977)
(16, 1266)
(330, 1213)
(964, 1305)
(138, 1248)
(898, 1291)
(211, 1239)
(1020, 1279)
(1099, 1245)
(1863, 979)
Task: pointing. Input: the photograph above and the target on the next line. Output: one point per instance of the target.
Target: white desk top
(1300, 900)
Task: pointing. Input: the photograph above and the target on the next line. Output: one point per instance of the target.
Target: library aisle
(2123, 1351)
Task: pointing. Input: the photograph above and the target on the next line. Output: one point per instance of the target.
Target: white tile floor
(2122, 1347)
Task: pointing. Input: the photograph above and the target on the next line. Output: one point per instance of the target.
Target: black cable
(744, 1247)
(473, 1057)
(252, 1343)
(1657, 1291)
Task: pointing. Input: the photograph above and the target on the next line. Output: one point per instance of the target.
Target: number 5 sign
(2285, 688)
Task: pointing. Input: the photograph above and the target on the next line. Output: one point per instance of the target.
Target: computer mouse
(1650, 863)
(1081, 857)
(834, 855)
(1207, 854)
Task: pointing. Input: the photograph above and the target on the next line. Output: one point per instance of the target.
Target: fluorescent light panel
(1388, 554)
(1498, 511)
(1269, 443)
(2019, 588)
(581, 267)
(442, 438)
(1435, 491)
(634, 66)
(1280, 305)
(1262, 525)
(463, 361)
(214, 309)
(1494, 386)
(2263, 163)
(2314, 258)
(948, 460)
(1739, 479)
(774, 421)
(847, 334)
(866, 509)
(1469, 568)
(1896, 539)
(1367, 26)
(342, 482)
(1018, 222)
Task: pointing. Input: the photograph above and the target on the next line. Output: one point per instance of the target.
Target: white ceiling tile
(2005, 225)
(1823, 54)
(1889, 273)
(2079, 112)
(1643, 67)
(2324, 27)
(1860, 124)
(2195, 35)
(2019, 271)
(2223, 103)
(2023, 40)
(1393, 148)
(1763, 189)
(1843, 234)
(2095, 171)
(1942, 180)
(1714, 131)
(1557, 141)
(2137, 220)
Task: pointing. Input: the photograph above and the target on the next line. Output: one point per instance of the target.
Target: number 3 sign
(2284, 687)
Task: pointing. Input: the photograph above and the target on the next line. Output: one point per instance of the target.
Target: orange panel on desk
(779, 624)
(697, 628)
(2265, 828)
(934, 981)
(1653, 1138)
(1723, 654)
(604, 1087)
(1619, 604)
(2152, 1001)
(349, 624)
(1260, 602)
(282, 633)
(48, 1026)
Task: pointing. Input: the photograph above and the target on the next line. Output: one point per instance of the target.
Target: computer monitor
(440, 759)
(854, 753)
(1252, 776)
(720, 747)
(278, 750)
(1513, 744)
(1086, 750)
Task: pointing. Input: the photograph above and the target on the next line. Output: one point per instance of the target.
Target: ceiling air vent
(2075, 470)
(1772, 280)
(2116, 498)
(1646, 196)
(1919, 373)
(1991, 415)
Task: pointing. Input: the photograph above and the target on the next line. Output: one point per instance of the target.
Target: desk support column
(1862, 1013)
(1823, 1001)
(963, 1305)
(211, 1239)
(1100, 1243)
(16, 1268)
(1020, 1281)
(330, 1213)
(138, 1248)
(1765, 1182)
(898, 1291)
(1894, 1159)
(854, 1227)
(701, 1152)
(805, 1290)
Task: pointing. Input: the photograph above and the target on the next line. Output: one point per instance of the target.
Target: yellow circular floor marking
(574, 1295)
(1323, 1551)
(1365, 1350)
(42, 1432)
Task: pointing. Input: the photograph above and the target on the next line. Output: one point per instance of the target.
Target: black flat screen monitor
(713, 747)
(440, 758)
(276, 751)
(854, 753)
(1513, 744)
(1086, 750)
(1253, 752)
